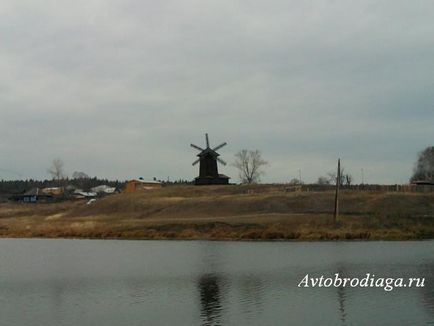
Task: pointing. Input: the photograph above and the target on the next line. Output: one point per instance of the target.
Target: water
(109, 282)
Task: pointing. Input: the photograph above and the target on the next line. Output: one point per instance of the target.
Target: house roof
(423, 183)
(32, 192)
(35, 192)
(144, 181)
(103, 188)
(85, 194)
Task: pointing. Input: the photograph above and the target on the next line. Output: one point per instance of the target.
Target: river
(119, 282)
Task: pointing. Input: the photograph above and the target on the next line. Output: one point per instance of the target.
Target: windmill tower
(208, 170)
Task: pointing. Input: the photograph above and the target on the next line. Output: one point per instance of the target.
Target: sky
(119, 89)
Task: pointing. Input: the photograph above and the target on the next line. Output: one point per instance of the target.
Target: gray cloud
(120, 88)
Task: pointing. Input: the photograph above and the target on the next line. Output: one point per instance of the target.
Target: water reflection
(251, 289)
(428, 290)
(210, 299)
(208, 283)
(341, 298)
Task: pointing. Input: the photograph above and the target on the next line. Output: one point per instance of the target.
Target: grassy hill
(228, 212)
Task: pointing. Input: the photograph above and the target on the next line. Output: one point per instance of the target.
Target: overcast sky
(119, 89)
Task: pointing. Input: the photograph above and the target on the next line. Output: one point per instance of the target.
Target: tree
(323, 181)
(56, 170)
(424, 166)
(346, 178)
(332, 176)
(79, 175)
(295, 182)
(249, 164)
(81, 179)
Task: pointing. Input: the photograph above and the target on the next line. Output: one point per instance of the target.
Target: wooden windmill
(208, 169)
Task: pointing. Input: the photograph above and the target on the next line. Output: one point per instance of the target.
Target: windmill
(208, 170)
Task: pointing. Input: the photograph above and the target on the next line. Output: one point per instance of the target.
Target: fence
(367, 188)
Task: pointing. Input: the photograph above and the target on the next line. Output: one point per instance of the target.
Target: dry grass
(227, 212)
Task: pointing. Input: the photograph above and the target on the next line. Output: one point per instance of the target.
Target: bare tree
(81, 179)
(249, 164)
(295, 182)
(323, 180)
(424, 167)
(346, 178)
(79, 175)
(332, 176)
(56, 170)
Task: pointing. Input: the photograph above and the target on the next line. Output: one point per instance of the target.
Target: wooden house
(32, 196)
(136, 185)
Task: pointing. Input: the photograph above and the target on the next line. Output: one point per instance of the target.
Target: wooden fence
(368, 188)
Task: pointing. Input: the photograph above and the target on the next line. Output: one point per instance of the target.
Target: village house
(32, 196)
(136, 185)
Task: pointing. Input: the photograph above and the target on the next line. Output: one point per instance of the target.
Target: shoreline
(217, 240)
(249, 233)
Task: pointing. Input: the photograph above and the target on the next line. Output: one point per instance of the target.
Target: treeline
(20, 186)
(176, 182)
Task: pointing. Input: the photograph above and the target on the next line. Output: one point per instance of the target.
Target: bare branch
(249, 164)
(56, 170)
(424, 167)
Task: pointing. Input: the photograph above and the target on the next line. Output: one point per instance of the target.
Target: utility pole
(363, 176)
(338, 184)
(299, 175)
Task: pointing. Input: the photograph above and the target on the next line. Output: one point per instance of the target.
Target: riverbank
(228, 213)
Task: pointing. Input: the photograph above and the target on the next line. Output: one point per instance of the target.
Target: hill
(228, 212)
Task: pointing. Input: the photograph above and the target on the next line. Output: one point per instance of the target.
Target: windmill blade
(197, 147)
(195, 162)
(207, 141)
(221, 161)
(219, 146)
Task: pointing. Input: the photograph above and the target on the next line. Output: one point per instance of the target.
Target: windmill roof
(208, 151)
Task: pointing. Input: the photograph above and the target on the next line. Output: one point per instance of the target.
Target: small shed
(423, 185)
(136, 185)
